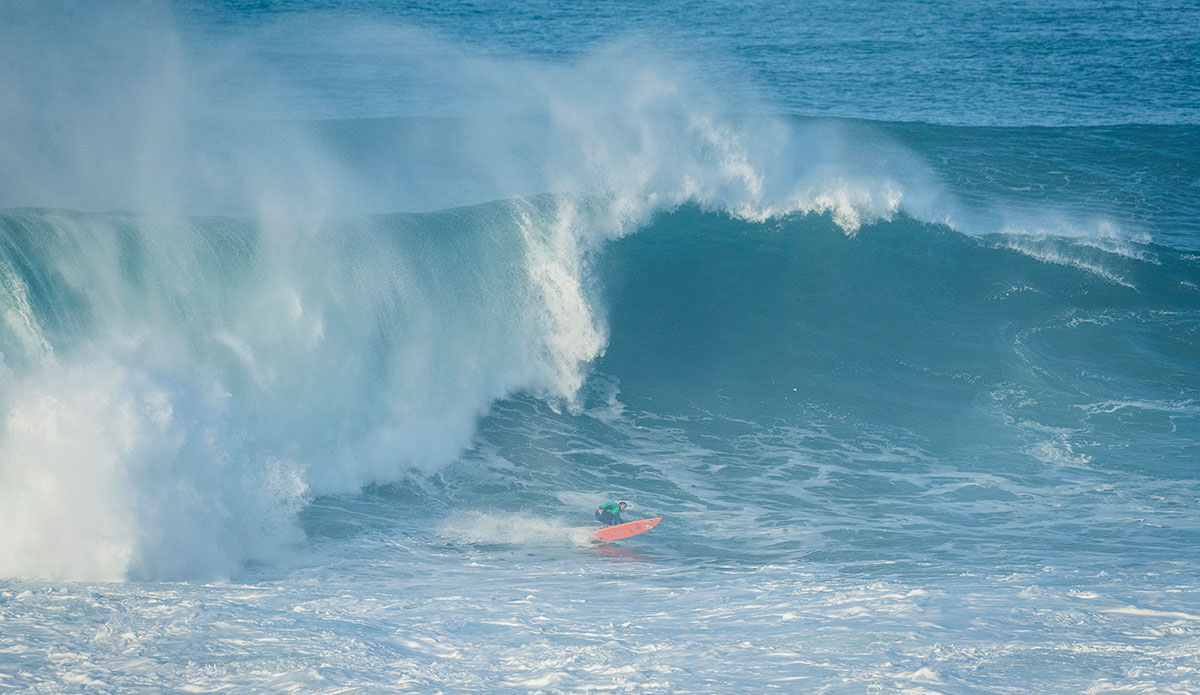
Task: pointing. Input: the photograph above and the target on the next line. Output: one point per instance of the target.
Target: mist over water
(358, 312)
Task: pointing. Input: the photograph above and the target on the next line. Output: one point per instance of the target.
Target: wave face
(216, 374)
(902, 321)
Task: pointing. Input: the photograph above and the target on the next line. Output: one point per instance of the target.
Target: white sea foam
(1031, 247)
(104, 479)
(509, 529)
(1151, 613)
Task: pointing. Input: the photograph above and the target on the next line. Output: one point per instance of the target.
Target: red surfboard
(630, 528)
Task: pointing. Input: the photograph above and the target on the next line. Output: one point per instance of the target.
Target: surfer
(610, 514)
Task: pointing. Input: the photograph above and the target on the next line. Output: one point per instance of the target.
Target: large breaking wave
(178, 381)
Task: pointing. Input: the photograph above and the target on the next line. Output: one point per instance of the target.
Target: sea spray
(211, 364)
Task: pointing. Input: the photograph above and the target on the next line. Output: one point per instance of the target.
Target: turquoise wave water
(372, 348)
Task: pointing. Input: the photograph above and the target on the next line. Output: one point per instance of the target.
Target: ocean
(326, 326)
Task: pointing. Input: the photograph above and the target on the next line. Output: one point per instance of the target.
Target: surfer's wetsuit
(609, 514)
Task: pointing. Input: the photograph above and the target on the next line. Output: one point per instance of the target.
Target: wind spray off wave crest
(642, 134)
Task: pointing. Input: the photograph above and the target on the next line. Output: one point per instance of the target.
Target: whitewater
(325, 327)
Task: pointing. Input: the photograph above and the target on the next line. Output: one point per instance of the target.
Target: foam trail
(478, 528)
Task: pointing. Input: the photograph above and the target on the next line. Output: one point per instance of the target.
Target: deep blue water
(325, 326)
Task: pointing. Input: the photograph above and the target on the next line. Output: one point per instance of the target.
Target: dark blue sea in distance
(326, 326)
